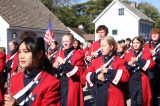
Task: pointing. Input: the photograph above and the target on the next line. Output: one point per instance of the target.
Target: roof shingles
(29, 13)
(136, 12)
(83, 34)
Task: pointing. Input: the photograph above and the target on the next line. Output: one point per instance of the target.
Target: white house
(81, 35)
(17, 16)
(123, 21)
(77, 33)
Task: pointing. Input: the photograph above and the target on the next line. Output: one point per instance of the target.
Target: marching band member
(138, 63)
(12, 58)
(2, 65)
(70, 63)
(105, 75)
(76, 45)
(154, 47)
(33, 86)
(128, 44)
(94, 50)
(53, 49)
(87, 46)
(86, 50)
(120, 49)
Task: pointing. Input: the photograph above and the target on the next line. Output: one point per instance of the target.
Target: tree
(73, 15)
(126, 1)
(150, 11)
(87, 12)
(57, 3)
(47, 3)
(157, 22)
(66, 15)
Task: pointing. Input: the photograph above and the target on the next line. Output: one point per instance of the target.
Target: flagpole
(59, 51)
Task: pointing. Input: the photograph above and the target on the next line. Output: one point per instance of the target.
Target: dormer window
(121, 11)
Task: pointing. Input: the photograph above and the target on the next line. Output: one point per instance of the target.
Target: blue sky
(155, 3)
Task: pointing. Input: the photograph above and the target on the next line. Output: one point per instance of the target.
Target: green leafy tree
(150, 11)
(61, 8)
(58, 3)
(87, 12)
(157, 22)
(73, 15)
(126, 1)
(66, 15)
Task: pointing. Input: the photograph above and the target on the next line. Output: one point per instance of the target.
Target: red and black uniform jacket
(95, 47)
(139, 86)
(156, 58)
(107, 93)
(52, 54)
(2, 61)
(121, 54)
(44, 92)
(2, 65)
(12, 62)
(70, 77)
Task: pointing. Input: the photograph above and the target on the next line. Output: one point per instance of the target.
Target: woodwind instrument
(8, 83)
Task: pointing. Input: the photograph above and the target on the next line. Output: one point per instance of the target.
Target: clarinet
(156, 49)
(139, 55)
(94, 57)
(66, 60)
(129, 49)
(52, 55)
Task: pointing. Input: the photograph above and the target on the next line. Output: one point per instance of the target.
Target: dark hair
(129, 39)
(140, 39)
(79, 43)
(102, 27)
(55, 42)
(121, 41)
(89, 41)
(36, 46)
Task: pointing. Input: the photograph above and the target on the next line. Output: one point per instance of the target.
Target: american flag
(49, 37)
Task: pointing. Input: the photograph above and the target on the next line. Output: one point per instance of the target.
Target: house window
(114, 32)
(145, 28)
(121, 11)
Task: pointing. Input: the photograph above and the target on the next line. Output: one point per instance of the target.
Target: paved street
(87, 97)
